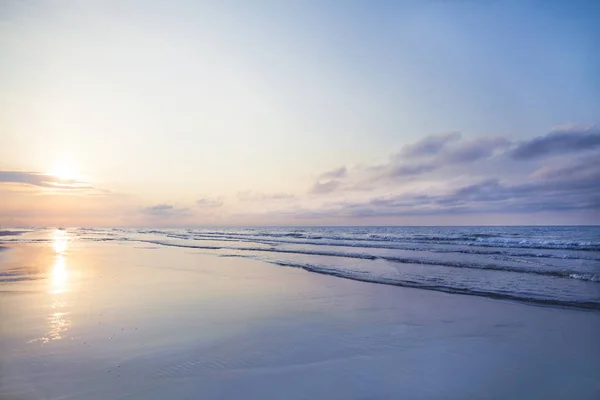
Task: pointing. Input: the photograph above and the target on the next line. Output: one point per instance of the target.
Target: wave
(483, 250)
(7, 277)
(403, 260)
(517, 257)
(365, 237)
(18, 279)
(585, 277)
(24, 240)
(472, 239)
(105, 239)
(398, 246)
(11, 233)
(472, 242)
(363, 276)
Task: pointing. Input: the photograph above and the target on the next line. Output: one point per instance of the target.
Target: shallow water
(546, 265)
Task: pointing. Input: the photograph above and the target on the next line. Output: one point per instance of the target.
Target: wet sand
(85, 320)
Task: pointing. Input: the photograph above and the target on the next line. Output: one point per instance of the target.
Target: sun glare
(59, 275)
(60, 241)
(65, 172)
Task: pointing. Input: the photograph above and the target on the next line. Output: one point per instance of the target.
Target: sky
(191, 113)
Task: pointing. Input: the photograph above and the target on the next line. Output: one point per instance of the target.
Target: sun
(65, 172)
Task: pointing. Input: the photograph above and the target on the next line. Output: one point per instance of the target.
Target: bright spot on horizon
(65, 171)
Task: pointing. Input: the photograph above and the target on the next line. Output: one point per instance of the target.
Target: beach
(286, 200)
(112, 319)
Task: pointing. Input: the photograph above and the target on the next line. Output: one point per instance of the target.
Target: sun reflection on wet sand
(59, 275)
(59, 324)
(60, 241)
(58, 281)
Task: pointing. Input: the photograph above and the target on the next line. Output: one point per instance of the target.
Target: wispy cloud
(334, 174)
(472, 150)
(249, 195)
(486, 196)
(430, 145)
(448, 174)
(438, 177)
(563, 167)
(572, 139)
(329, 181)
(325, 187)
(451, 150)
(406, 169)
(210, 202)
(425, 156)
(41, 180)
(165, 211)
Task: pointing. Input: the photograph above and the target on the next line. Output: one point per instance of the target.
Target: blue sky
(188, 113)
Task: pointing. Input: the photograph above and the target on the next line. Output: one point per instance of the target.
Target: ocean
(549, 265)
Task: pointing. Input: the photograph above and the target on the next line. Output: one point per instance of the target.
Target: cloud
(473, 150)
(210, 202)
(432, 156)
(410, 169)
(337, 173)
(430, 145)
(486, 196)
(249, 195)
(439, 176)
(329, 181)
(566, 167)
(559, 141)
(559, 184)
(40, 180)
(325, 187)
(448, 175)
(165, 211)
(435, 152)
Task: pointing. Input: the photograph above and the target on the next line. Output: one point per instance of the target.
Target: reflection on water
(59, 324)
(59, 275)
(60, 241)
(58, 281)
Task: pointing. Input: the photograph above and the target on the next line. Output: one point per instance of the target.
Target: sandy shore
(84, 320)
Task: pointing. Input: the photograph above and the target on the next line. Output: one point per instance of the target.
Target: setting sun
(65, 171)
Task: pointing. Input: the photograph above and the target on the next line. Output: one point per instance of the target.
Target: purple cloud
(569, 185)
(404, 170)
(458, 152)
(430, 145)
(249, 195)
(337, 173)
(165, 211)
(41, 180)
(561, 141)
(325, 187)
(473, 150)
(576, 168)
(210, 202)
